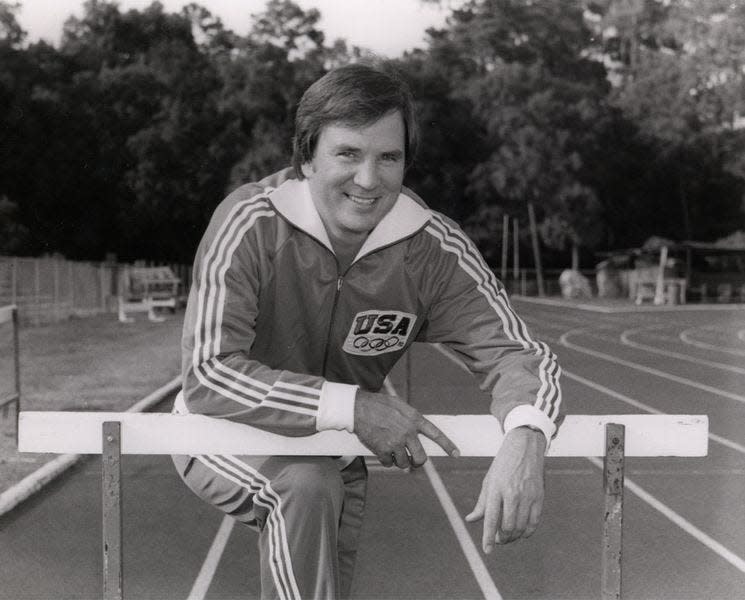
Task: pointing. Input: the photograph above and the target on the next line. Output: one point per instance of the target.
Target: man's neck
(346, 247)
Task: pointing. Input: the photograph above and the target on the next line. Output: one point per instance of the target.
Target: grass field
(92, 363)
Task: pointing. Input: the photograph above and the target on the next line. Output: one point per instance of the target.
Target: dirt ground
(91, 363)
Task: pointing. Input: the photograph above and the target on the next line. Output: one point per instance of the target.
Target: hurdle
(10, 313)
(613, 437)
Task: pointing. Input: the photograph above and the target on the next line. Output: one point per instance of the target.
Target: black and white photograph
(372, 299)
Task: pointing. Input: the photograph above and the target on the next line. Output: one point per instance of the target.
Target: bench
(113, 434)
(143, 289)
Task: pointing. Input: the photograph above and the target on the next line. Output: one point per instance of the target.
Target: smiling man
(308, 287)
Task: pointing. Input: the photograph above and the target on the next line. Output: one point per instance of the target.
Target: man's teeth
(360, 200)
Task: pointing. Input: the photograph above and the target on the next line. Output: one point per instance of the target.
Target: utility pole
(536, 250)
(505, 244)
(515, 253)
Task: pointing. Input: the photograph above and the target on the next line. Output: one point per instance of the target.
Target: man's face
(356, 175)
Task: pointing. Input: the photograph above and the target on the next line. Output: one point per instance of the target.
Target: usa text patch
(378, 331)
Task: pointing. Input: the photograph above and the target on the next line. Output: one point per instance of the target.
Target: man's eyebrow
(345, 146)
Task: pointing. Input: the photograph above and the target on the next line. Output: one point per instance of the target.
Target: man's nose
(366, 176)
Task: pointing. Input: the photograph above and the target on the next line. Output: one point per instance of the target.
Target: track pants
(308, 513)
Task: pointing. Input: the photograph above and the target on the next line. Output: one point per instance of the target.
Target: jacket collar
(293, 201)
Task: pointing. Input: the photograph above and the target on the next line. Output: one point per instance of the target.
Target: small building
(692, 271)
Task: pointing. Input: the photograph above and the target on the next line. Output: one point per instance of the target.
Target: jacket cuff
(528, 415)
(336, 406)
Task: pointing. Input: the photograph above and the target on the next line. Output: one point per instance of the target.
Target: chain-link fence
(52, 288)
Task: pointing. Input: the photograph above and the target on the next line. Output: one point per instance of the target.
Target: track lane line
(718, 548)
(625, 340)
(625, 335)
(563, 340)
(685, 336)
(631, 401)
(721, 550)
(212, 560)
(645, 407)
(473, 557)
(613, 394)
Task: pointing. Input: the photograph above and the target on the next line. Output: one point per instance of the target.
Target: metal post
(57, 308)
(112, 511)
(505, 244)
(536, 249)
(71, 279)
(613, 516)
(37, 282)
(17, 366)
(515, 250)
(14, 282)
(101, 281)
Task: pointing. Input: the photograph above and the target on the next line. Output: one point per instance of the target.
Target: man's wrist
(336, 407)
(526, 414)
(533, 432)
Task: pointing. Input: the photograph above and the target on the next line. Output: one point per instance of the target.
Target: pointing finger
(429, 429)
(535, 516)
(478, 510)
(491, 521)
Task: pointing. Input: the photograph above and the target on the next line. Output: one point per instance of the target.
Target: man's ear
(307, 169)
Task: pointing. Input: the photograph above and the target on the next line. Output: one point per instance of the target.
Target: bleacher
(143, 289)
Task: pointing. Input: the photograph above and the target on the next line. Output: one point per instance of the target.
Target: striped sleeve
(472, 315)
(220, 377)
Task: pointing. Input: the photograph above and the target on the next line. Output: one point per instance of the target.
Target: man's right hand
(390, 428)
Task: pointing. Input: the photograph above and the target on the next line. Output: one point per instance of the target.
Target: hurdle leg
(613, 518)
(112, 511)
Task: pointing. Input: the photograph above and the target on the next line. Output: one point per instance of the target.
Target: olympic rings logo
(366, 344)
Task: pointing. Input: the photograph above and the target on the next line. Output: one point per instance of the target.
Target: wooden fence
(52, 288)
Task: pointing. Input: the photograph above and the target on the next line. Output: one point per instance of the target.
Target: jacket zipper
(339, 283)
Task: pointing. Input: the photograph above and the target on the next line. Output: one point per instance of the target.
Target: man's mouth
(362, 200)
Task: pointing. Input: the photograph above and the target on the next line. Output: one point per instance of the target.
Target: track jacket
(276, 337)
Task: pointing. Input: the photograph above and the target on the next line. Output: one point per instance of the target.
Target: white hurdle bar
(112, 434)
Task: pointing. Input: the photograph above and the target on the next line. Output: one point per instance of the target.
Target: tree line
(614, 120)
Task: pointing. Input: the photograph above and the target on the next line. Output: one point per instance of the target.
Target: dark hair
(354, 95)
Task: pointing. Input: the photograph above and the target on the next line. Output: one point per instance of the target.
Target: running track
(684, 531)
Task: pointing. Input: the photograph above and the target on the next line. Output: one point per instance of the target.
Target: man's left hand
(511, 498)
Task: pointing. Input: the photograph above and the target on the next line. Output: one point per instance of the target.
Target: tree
(684, 89)
(533, 98)
(11, 33)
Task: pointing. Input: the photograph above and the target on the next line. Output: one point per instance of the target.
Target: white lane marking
(486, 583)
(686, 337)
(678, 520)
(636, 403)
(480, 572)
(741, 334)
(614, 394)
(626, 308)
(207, 572)
(685, 525)
(619, 361)
(708, 363)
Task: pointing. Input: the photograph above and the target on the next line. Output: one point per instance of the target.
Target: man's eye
(391, 157)
(346, 154)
